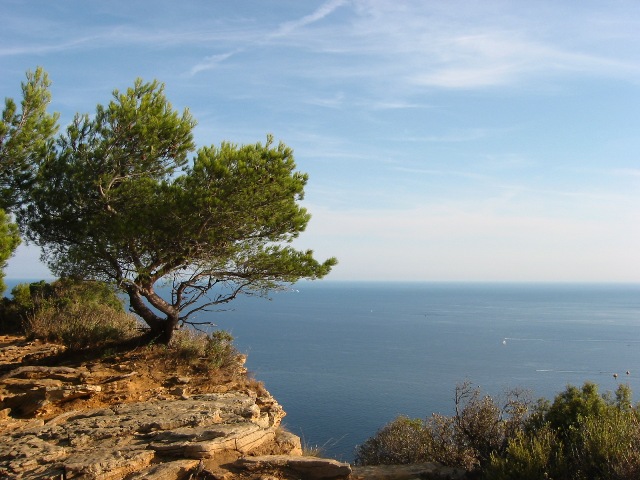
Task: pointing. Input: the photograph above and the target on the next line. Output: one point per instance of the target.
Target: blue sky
(458, 140)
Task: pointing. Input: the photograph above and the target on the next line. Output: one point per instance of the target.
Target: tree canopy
(9, 241)
(124, 196)
(26, 135)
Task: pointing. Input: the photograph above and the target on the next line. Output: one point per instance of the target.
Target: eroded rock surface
(126, 416)
(123, 439)
(309, 468)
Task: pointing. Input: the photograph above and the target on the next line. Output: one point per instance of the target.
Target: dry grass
(213, 351)
(81, 326)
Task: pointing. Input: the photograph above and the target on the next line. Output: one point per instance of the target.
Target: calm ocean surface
(344, 358)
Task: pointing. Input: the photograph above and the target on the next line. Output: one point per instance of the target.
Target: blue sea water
(344, 358)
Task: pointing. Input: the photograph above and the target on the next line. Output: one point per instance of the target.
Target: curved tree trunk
(160, 329)
(164, 334)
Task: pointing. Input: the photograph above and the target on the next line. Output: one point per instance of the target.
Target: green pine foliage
(9, 241)
(125, 197)
(26, 137)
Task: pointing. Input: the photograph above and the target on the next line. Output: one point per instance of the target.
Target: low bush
(79, 326)
(530, 456)
(83, 315)
(402, 441)
(11, 320)
(64, 292)
(213, 351)
(75, 313)
(580, 435)
(479, 428)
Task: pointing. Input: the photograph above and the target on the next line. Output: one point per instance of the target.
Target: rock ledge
(127, 417)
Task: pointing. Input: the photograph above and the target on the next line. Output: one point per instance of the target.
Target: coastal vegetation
(86, 316)
(73, 313)
(580, 435)
(124, 197)
(9, 241)
(25, 135)
(122, 203)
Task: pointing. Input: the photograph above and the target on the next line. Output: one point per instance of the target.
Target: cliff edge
(133, 415)
(127, 415)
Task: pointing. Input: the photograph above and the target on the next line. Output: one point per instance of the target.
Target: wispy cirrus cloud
(283, 30)
(54, 40)
(47, 47)
(397, 47)
(414, 45)
(502, 58)
(320, 13)
(468, 135)
(213, 61)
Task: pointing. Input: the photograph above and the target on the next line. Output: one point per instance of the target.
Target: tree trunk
(165, 334)
(160, 329)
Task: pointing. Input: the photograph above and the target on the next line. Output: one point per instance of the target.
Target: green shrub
(403, 440)
(75, 313)
(609, 445)
(10, 319)
(599, 434)
(581, 435)
(529, 457)
(14, 311)
(214, 350)
(29, 298)
(571, 407)
(64, 292)
(79, 326)
(22, 295)
(479, 428)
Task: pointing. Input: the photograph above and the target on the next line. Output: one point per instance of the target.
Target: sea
(345, 358)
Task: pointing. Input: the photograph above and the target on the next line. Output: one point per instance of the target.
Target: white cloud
(213, 61)
(467, 135)
(502, 58)
(320, 13)
(58, 38)
(283, 30)
(47, 46)
(400, 46)
(467, 45)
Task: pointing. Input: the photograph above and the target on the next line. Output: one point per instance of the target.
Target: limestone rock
(124, 439)
(310, 468)
(288, 443)
(26, 390)
(121, 416)
(106, 464)
(163, 471)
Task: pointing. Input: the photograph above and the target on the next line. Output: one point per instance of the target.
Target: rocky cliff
(133, 415)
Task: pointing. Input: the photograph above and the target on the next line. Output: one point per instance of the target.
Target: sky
(445, 141)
